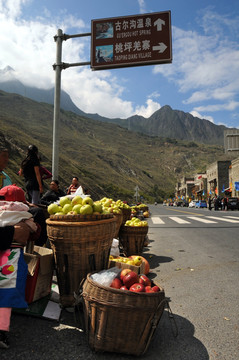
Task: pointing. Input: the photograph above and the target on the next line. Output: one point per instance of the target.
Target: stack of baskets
(119, 221)
(132, 239)
(120, 321)
(81, 244)
(126, 214)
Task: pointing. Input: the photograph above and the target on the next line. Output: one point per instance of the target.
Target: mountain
(108, 159)
(165, 122)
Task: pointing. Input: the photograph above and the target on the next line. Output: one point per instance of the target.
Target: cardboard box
(138, 269)
(40, 271)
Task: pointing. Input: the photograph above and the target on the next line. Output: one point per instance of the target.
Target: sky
(203, 78)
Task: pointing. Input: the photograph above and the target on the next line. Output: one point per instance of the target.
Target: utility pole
(58, 66)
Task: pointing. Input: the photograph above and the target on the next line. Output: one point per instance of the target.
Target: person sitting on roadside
(53, 194)
(74, 186)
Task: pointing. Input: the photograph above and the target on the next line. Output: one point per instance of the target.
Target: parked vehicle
(201, 204)
(233, 203)
(192, 204)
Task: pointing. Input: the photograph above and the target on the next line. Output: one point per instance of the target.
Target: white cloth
(12, 212)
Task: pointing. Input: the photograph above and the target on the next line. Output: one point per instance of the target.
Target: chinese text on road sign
(132, 40)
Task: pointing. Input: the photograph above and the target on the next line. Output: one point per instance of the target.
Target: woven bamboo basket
(126, 214)
(79, 248)
(119, 220)
(132, 239)
(118, 320)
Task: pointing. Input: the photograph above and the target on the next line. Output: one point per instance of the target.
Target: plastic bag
(105, 277)
(80, 193)
(114, 251)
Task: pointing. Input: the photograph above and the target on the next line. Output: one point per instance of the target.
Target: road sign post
(116, 42)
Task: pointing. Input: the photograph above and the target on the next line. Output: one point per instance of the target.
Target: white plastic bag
(114, 251)
(80, 193)
(105, 277)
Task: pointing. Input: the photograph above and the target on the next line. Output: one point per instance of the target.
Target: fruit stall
(81, 233)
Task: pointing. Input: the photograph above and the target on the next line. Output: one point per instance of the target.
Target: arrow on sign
(161, 47)
(159, 23)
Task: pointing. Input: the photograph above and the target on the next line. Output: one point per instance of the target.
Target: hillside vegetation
(108, 159)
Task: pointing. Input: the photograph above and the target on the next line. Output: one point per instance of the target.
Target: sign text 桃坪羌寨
(130, 41)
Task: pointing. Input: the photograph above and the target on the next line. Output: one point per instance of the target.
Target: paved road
(197, 264)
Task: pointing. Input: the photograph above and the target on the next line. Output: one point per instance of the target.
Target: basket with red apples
(131, 281)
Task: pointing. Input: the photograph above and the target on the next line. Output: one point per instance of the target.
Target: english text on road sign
(131, 41)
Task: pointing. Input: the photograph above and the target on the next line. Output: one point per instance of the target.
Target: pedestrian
(225, 203)
(30, 169)
(210, 203)
(53, 194)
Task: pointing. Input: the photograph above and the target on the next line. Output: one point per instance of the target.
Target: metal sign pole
(57, 96)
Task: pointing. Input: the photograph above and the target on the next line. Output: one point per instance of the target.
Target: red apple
(148, 289)
(116, 283)
(137, 287)
(124, 288)
(143, 279)
(155, 288)
(123, 273)
(130, 279)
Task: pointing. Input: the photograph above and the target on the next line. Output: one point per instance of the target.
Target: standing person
(74, 186)
(4, 157)
(225, 203)
(210, 203)
(53, 194)
(30, 169)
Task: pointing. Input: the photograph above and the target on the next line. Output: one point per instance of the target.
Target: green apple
(77, 208)
(67, 208)
(86, 209)
(97, 207)
(76, 200)
(52, 209)
(64, 200)
(105, 210)
(87, 201)
(59, 213)
(72, 213)
(107, 203)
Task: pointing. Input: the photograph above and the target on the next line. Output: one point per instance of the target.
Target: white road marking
(202, 220)
(223, 219)
(157, 220)
(179, 220)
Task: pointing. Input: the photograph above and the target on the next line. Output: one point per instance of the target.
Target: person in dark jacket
(53, 194)
(30, 169)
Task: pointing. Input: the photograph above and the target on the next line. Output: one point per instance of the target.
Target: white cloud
(142, 6)
(149, 109)
(230, 106)
(29, 48)
(207, 65)
(154, 95)
(198, 115)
